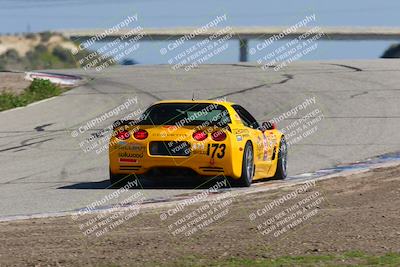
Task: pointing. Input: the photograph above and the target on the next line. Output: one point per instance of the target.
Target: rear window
(181, 114)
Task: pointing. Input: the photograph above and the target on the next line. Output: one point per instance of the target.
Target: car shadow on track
(170, 183)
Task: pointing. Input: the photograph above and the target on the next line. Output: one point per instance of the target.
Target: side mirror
(268, 126)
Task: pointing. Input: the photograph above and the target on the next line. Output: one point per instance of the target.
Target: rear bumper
(135, 159)
(197, 163)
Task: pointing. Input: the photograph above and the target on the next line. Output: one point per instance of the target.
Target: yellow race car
(197, 138)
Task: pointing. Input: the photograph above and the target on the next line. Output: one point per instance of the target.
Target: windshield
(181, 114)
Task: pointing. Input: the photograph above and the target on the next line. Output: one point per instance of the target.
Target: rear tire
(281, 171)
(247, 167)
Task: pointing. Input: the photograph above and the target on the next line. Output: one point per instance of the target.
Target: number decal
(221, 152)
(215, 149)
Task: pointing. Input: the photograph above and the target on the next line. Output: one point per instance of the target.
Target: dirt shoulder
(341, 215)
(13, 82)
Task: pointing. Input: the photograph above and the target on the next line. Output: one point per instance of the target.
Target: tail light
(268, 126)
(199, 135)
(123, 135)
(141, 134)
(218, 136)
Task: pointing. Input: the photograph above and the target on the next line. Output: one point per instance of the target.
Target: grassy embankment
(38, 90)
(353, 258)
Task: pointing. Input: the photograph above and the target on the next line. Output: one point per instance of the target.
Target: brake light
(199, 135)
(218, 136)
(267, 126)
(123, 135)
(141, 134)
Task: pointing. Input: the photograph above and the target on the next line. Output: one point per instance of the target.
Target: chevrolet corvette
(197, 138)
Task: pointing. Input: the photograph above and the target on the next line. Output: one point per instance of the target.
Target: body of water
(17, 16)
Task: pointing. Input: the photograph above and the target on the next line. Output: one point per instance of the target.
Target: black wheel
(281, 171)
(247, 167)
(118, 180)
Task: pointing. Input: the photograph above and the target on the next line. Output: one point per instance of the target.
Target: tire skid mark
(51, 135)
(288, 77)
(25, 144)
(40, 128)
(359, 94)
(346, 66)
(124, 85)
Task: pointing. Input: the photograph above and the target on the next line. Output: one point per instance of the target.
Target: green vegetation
(46, 55)
(39, 58)
(38, 90)
(45, 36)
(353, 258)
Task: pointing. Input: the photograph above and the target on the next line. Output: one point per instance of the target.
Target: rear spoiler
(119, 123)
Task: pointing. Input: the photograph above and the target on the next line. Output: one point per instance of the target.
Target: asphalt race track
(44, 169)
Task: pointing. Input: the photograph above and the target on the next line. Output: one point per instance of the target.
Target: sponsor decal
(170, 134)
(265, 141)
(200, 152)
(272, 139)
(130, 155)
(260, 148)
(199, 148)
(129, 160)
(133, 147)
(241, 131)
